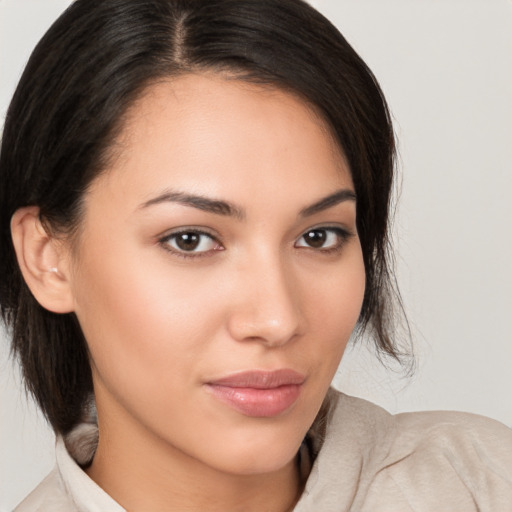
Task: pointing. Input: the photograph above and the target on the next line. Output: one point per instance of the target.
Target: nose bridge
(267, 308)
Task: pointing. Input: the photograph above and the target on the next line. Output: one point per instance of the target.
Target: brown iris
(187, 241)
(316, 238)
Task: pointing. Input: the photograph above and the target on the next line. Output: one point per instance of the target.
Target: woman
(197, 196)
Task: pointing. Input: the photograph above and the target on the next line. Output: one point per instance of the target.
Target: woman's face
(218, 273)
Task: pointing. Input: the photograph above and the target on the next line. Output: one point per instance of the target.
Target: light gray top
(369, 461)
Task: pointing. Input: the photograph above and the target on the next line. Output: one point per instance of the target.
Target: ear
(43, 260)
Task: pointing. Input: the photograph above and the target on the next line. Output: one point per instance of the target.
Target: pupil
(187, 241)
(316, 238)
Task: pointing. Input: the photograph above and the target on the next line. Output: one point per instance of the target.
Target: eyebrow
(328, 202)
(200, 202)
(220, 207)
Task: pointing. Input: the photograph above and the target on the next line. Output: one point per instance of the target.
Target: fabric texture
(363, 460)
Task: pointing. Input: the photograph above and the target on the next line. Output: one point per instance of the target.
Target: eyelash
(343, 236)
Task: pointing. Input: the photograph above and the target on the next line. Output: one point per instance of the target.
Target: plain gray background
(446, 68)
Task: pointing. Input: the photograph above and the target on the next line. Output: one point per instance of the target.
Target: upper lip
(261, 379)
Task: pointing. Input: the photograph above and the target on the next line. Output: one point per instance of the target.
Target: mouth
(258, 393)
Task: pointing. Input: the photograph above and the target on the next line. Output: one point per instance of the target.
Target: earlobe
(43, 261)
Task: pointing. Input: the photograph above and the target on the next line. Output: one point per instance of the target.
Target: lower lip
(260, 403)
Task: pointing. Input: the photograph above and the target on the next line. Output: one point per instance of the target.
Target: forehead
(212, 134)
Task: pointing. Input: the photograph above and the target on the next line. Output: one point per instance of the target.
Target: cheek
(334, 306)
(141, 324)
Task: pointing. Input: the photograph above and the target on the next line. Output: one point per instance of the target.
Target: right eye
(190, 243)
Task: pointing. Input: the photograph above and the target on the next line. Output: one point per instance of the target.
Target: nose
(266, 303)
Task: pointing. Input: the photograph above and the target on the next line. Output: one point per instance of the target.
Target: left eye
(323, 238)
(191, 242)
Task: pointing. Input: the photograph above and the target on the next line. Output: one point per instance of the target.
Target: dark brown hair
(93, 63)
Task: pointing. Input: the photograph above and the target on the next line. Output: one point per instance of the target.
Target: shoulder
(68, 488)
(49, 496)
(469, 444)
(401, 434)
(450, 432)
(452, 460)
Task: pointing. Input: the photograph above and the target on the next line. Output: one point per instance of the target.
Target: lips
(258, 393)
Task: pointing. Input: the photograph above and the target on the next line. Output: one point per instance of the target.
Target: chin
(267, 461)
(258, 450)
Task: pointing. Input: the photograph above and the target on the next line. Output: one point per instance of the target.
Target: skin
(253, 295)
